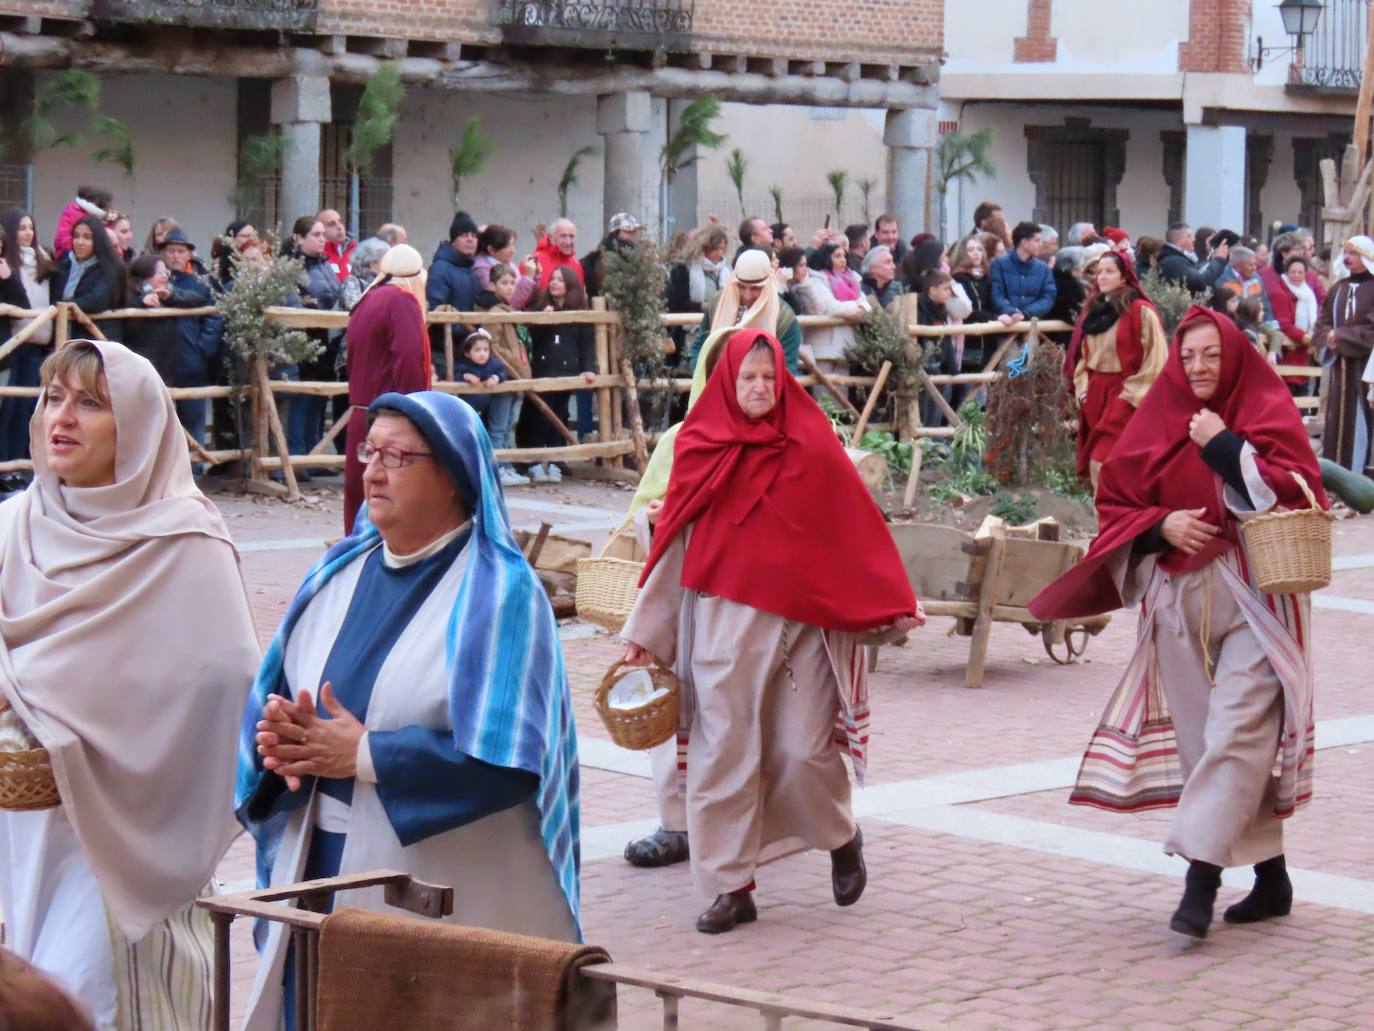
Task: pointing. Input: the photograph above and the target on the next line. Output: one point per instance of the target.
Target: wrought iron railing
(1332, 58)
(279, 15)
(598, 23)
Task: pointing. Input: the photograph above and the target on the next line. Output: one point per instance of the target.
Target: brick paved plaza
(991, 903)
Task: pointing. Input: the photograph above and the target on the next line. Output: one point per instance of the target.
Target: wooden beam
(157, 53)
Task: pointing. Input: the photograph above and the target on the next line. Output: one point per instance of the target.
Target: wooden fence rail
(615, 384)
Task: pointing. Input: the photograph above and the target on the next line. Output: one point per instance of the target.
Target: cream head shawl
(753, 267)
(127, 648)
(402, 266)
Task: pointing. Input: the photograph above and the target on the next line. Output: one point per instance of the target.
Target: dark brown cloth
(379, 972)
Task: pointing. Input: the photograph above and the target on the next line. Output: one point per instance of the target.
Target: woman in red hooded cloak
(1117, 350)
(770, 567)
(1221, 681)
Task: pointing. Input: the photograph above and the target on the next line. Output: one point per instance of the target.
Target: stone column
(300, 105)
(910, 135)
(682, 195)
(624, 121)
(1214, 177)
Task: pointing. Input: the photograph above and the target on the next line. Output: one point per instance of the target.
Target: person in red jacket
(90, 200)
(388, 350)
(556, 248)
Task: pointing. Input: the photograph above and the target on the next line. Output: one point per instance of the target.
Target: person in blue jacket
(1022, 284)
(198, 336)
(451, 280)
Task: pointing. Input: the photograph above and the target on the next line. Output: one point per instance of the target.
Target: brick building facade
(1152, 113)
(609, 73)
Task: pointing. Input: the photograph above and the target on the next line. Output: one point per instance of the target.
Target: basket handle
(1307, 491)
(617, 532)
(619, 664)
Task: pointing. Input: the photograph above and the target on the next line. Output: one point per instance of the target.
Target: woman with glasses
(448, 751)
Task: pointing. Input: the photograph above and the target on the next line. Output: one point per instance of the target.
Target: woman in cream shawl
(126, 650)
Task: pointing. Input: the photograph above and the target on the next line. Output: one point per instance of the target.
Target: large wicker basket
(647, 726)
(607, 587)
(1290, 552)
(26, 780)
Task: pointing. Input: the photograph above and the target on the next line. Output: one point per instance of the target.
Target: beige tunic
(1228, 735)
(764, 775)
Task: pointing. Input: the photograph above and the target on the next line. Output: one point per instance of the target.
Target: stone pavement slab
(991, 903)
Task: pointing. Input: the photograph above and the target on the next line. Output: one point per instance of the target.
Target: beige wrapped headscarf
(755, 268)
(127, 647)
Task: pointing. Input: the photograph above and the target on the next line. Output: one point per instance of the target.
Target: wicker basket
(1290, 552)
(607, 587)
(647, 726)
(26, 780)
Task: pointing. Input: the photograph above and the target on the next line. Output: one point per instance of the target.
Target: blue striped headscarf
(508, 696)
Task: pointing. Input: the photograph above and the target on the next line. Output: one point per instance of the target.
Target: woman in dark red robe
(1220, 685)
(388, 350)
(1117, 350)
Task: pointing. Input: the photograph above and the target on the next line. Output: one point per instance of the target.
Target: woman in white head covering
(126, 650)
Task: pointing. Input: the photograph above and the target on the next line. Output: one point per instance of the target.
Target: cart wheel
(1067, 646)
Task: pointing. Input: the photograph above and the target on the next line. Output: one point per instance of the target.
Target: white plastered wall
(184, 133)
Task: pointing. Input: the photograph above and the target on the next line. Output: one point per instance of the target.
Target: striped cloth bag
(1131, 763)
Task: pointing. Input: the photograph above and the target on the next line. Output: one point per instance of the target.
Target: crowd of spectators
(997, 272)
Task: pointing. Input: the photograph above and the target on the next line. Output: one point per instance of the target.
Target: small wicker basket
(607, 587)
(26, 779)
(647, 726)
(1290, 552)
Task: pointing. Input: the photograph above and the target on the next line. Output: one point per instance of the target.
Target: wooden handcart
(982, 580)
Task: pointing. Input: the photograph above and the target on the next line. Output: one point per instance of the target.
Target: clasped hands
(295, 741)
(1185, 529)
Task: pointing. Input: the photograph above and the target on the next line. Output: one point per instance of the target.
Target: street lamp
(1300, 19)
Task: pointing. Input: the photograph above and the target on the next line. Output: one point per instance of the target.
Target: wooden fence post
(269, 405)
(605, 401)
(60, 327)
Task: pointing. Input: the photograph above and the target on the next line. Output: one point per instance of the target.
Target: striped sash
(1131, 763)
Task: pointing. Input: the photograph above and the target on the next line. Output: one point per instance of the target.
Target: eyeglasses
(390, 457)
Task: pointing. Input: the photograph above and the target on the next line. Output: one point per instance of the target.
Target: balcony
(1332, 59)
(598, 24)
(273, 15)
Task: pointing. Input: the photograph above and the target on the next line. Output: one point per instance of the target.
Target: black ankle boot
(1194, 913)
(1272, 895)
(848, 874)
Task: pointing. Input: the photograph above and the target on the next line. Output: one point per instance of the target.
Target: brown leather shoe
(848, 874)
(735, 907)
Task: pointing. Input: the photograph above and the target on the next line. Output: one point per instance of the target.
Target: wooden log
(84, 319)
(982, 623)
(1366, 98)
(61, 328)
(293, 490)
(197, 447)
(869, 405)
(616, 356)
(448, 351)
(340, 424)
(934, 393)
(259, 400)
(152, 313)
(604, 398)
(44, 318)
(829, 386)
(636, 419)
